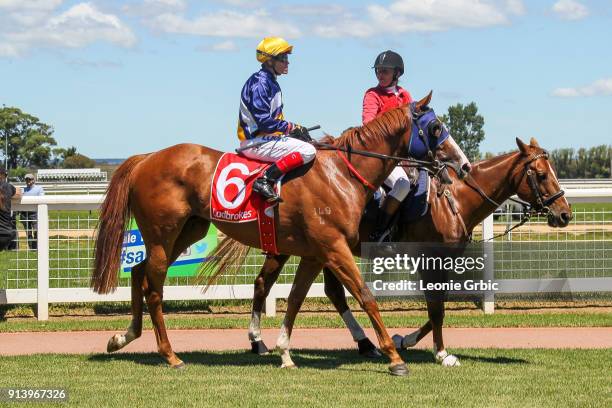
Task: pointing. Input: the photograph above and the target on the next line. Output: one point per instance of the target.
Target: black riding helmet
(390, 59)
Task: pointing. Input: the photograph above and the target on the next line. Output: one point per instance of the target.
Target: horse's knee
(259, 284)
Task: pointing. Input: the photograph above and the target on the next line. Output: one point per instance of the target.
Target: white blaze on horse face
(283, 346)
(462, 156)
(353, 326)
(255, 327)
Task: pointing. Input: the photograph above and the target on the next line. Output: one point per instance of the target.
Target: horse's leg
(307, 271)
(340, 261)
(263, 283)
(335, 292)
(157, 266)
(410, 340)
(134, 331)
(436, 317)
(192, 231)
(155, 272)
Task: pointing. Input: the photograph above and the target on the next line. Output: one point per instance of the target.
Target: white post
(488, 304)
(43, 262)
(271, 304)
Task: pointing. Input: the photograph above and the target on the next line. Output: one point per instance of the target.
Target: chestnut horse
(168, 193)
(526, 173)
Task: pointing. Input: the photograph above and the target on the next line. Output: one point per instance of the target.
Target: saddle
(232, 198)
(414, 206)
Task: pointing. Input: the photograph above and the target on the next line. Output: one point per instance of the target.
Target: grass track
(487, 378)
(316, 320)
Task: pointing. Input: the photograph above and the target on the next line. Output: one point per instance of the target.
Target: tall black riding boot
(265, 185)
(388, 210)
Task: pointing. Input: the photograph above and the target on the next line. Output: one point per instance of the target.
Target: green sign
(186, 264)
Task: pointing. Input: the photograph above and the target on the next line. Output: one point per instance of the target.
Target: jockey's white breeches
(399, 183)
(276, 147)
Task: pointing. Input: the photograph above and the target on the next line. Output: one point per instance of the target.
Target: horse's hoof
(367, 349)
(447, 360)
(450, 361)
(397, 340)
(399, 369)
(113, 344)
(259, 347)
(179, 366)
(289, 366)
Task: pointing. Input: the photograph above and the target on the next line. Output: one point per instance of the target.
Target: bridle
(541, 206)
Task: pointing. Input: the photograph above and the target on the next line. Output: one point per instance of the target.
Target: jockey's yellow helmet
(271, 47)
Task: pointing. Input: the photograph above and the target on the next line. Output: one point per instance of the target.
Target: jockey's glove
(300, 132)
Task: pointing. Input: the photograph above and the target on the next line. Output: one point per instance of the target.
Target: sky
(116, 78)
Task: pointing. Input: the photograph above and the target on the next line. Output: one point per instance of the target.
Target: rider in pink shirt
(387, 95)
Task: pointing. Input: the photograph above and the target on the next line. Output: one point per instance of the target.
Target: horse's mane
(372, 133)
(485, 163)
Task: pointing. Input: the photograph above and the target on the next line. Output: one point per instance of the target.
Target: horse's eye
(542, 176)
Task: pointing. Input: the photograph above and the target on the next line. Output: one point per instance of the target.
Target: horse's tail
(228, 257)
(114, 215)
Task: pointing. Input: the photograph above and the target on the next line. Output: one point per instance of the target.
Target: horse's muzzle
(560, 220)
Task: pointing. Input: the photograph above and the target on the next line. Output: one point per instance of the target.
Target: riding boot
(387, 211)
(265, 185)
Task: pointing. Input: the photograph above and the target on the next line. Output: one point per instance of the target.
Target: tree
(78, 161)
(583, 163)
(30, 141)
(60, 155)
(465, 125)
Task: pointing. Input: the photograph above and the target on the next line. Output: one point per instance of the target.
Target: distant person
(7, 230)
(29, 218)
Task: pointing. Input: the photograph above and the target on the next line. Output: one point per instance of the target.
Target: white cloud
(241, 3)
(19, 5)
(570, 10)
(223, 46)
(602, 87)
(314, 10)
(226, 23)
(25, 13)
(516, 7)
(151, 8)
(421, 16)
(76, 27)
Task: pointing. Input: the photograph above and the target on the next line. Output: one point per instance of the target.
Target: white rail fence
(59, 269)
(99, 187)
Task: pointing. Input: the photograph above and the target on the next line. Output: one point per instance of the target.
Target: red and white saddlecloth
(232, 198)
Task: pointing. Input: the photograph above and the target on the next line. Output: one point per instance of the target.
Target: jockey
(261, 122)
(387, 95)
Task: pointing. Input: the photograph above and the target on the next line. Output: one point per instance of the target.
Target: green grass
(592, 211)
(487, 378)
(315, 320)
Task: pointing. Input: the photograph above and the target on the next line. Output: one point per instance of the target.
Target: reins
(528, 210)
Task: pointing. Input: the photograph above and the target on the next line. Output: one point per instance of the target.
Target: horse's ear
(522, 146)
(425, 101)
(534, 142)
